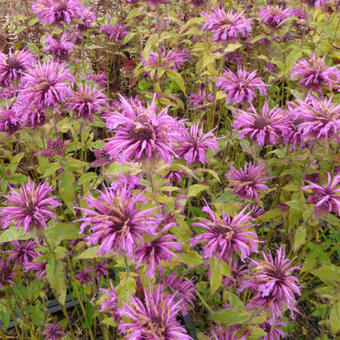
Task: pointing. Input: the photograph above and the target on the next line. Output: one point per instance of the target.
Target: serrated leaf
(195, 189)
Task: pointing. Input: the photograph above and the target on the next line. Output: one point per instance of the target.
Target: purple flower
(86, 18)
(46, 85)
(226, 235)
(200, 98)
(53, 331)
(237, 274)
(153, 252)
(193, 145)
(110, 304)
(31, 207)
(198, 3)
(30, 116)
(39, 267)
(57, 11)
(99, 78)
(272, 16)
(173, 60)
(241, 87)
(54, 148)
(219, 334)
(325, 197)
(316, 118)
(23, 251)
(13, 66)
(154, 317)
(86, 101)
(184, 290)
(102, 158)
(266, 128)
(129, 182)
(314, 74)
(302, 14)
(247, 181)
(316, 3)
(273, 284)
(115, 222)
(174, 176)
(10, 121)
(274, 332)
(228, 26)
(6, 273)
(140, 133)
(114, 32)
(100, 268)
(60, 50)
(84, 275)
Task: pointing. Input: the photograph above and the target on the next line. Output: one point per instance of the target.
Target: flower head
(272, 16)
(266, 128)
(53, 332)
(10, 121)
(316, 118)
(86, 101)
(193, 145)
(200, 98)
(57, 11)
(247, 181)
(86, 18)
(100, 269)
(115, 222)
(30, 116)
(6, 273)
(227, 26)
(219, 334)
(98, 78)
(38, 267)
(13, 66)
(314, 74)
(114, 32)
(226, 235)
(154, 252)
(316, 3)
(140, 133)
(238, 272)
(102, 158)
(127, 181)
(60, 50)
(23, 251)
(273, 284)
(325, 197)
(30, 207)
(240, 87)
(153, 318)
(45, 85)
(274, 332)
(84, 275)
(54, 148)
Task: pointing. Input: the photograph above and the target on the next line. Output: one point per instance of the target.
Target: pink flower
(110, 304)
(247, 181)
(154, 317)
(325, 197)
(115, 222)
(273, 284)
(60, 50)
(114, 32)
(140, 133)
(272, 16)
(31, 207)
(226, 235)
(228, 26)
(315, 75)
(240, 87)
(193, 145)
(54, 148)
(266, 128)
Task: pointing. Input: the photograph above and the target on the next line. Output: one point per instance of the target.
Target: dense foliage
(170, 169)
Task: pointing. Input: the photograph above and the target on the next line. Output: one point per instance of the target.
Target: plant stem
(8, 299)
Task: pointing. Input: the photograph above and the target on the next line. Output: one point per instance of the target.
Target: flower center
(141, 133)
(13, 63)
(260, 123)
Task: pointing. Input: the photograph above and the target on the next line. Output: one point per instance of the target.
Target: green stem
(203, 301)
(8, 299)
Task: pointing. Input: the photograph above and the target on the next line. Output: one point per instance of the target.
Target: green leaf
(256, 332)
(231, 316)
(55, 274)
(271, 215)
(110, 322)
(195, 189)
(300, 237)
(126, 287)
(5, 317)
(216, 274)
(192, 258)
(291, 187)
(177, 78)
(334, 318)
(90, 316)
(232, 47)
(327, 273)
(12, 234)
(52, 169)
(89, 253)
(87, 178)
(66, 187)
(62, 231)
